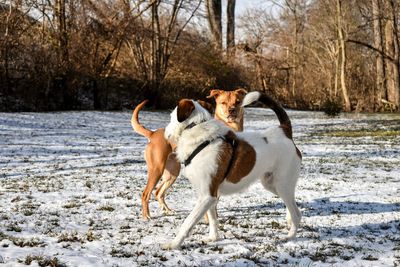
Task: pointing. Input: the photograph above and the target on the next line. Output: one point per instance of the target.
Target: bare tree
(161, 39)
(214, 16)
(378, 43)
(392, 49)
(342, 55)
(230, 29)
(62, 34)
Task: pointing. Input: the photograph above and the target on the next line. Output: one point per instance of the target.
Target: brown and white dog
(160, 160)
(220, 162)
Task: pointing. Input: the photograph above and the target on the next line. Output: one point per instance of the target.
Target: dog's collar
(190, 126)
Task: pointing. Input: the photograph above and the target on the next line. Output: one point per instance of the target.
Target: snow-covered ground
(70, 186)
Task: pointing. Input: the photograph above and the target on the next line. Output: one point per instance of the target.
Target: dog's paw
(170, 246)
(210, 239)
(285, 239)
(146, 217)
(169, 212)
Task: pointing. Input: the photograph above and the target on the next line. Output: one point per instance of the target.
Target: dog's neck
(236, 125)
(193, 137)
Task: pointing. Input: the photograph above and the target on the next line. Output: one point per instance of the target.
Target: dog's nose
(232, 110)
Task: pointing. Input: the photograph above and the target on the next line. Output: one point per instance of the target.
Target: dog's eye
(223, 103)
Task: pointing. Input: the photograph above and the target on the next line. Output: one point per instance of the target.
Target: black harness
(203, 145)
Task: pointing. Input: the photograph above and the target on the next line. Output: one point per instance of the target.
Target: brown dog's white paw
(168, 212)
(146, 217)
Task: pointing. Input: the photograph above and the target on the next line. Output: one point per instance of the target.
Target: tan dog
(228, 107)
(160, 160)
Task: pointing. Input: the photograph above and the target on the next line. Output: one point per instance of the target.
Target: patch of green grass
(3, 236)
(276, 225)
(4, 217)
(14, 227)
(72, 205)
(107, 208)
(362, 133)
(16, 199)
(90, 236)
(69, 237)
(89, 184)
(42, 261)
(125, 227)
(370, 258)
(29, 208)
(23, 242)
(121, 253)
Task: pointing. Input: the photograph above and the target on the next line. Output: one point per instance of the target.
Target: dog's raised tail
(137, 127)
(275, 106)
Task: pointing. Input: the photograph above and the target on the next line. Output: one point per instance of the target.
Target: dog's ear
(241, 92)
(185, 108)
(207, 106)
(214, 93)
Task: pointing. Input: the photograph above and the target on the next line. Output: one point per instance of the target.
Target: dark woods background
(110, 54)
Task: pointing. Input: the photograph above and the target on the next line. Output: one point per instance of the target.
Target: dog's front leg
(203, 204)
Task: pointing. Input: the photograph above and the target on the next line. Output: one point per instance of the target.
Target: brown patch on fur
(298, 152)
(229, 107)
(185, 108)
(287, 131)
(223, 161)
(242, 161)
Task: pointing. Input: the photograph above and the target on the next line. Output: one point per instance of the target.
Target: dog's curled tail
(275, 106)
(137, 127)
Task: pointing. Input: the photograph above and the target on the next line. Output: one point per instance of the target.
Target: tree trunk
(380, 90)
(230, 29)
(342, 55)
(5, 47)
(62, 34)
(395, 95)
(156, 50)
(390, 51)
(295, 48)
(337, 70)
(214, 15)
(63, 57)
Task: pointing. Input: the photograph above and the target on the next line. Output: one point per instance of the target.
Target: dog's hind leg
(213, 223)
(286, 193)
(171, 172)
(166, 182)
(293, 217)
(203, 204)
(154, 175)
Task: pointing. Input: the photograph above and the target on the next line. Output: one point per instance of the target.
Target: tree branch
(382, 53)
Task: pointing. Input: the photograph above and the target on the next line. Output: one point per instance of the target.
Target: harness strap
(230, 141)
(196, 151)
(234, 145)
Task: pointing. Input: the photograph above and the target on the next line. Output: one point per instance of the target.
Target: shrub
(332, 108)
